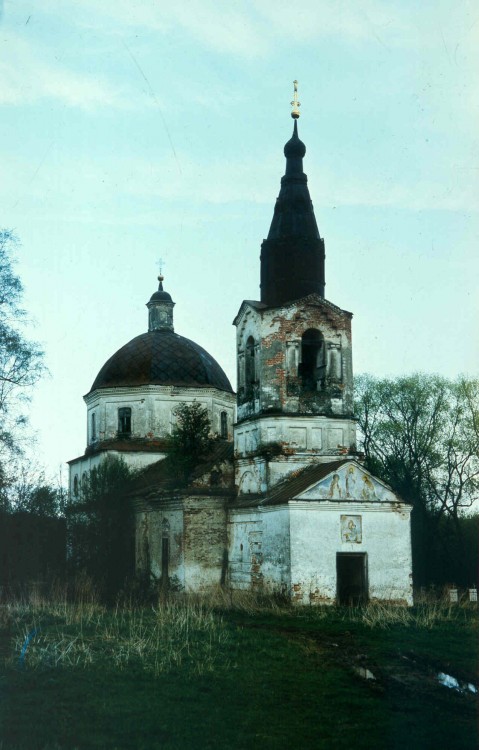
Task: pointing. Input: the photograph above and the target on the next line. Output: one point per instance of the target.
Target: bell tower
(294, 356)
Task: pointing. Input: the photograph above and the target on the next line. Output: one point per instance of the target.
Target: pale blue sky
(134, 130)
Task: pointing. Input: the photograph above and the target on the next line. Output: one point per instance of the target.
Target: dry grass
(181, 630)
(58, 633)
(428, 612)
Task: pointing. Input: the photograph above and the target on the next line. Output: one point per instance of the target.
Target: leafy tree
(191, 438)
(21, 360)
(419, 433)
(100, 526)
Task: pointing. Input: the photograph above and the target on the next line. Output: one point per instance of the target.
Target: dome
(161, 295)
(161, 357)
(294, 148)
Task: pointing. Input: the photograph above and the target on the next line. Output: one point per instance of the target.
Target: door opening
(351, 578)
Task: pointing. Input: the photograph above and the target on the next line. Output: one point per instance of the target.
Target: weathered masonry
(283, 503)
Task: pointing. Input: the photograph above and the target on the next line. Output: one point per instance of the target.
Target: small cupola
(160, 309)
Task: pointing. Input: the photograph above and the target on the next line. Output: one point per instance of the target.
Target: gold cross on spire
(295, 104)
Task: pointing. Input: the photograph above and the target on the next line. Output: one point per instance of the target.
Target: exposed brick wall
(278, 385)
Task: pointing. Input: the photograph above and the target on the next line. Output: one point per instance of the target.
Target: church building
(283, 503)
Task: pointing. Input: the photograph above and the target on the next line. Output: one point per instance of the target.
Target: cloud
(243, 28)
(26, 77)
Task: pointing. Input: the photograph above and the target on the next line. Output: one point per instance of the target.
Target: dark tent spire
(292, 256)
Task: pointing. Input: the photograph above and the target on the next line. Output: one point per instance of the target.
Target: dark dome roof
(294, 147)
(161, 296)
(161, 358)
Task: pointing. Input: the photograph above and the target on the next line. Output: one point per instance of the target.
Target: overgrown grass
(156, 639)
(233, 671)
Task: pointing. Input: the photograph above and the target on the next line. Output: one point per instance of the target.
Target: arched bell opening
(312, 367)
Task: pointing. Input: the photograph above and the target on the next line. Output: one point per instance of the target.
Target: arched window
(312, 367)
(75, 485)
(124, 421)
(93, 427)
(224, 425)
(250, 366)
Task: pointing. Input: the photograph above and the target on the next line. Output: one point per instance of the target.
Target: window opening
(224, 425)
(250, 368)
(124, 421)
(93, 426)
(75, 485)
(312, 368)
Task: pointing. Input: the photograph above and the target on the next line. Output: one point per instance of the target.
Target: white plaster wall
(316, 538)
(320, 435)
(307, 440)
(251, 475)
(245, 530)
(276, 561)
(259, 549)
(153, 409)
(149, 529)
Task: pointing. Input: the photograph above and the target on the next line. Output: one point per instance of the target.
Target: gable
(349, 482)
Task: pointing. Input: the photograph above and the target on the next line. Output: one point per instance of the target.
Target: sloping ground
(190, 676)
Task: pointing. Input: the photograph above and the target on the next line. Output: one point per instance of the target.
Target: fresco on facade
(351, 529)
(349, 483)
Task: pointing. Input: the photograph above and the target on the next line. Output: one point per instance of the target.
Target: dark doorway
(352, 578)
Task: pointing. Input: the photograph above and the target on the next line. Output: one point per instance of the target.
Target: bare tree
(21, 360)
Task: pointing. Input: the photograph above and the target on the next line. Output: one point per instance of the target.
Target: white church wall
(302, 440)
(151, 528)
(320, 530)
(251, 476)
(276, 557)
(245, 531)
(259, 549)
(389, 556)
(153, 409)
